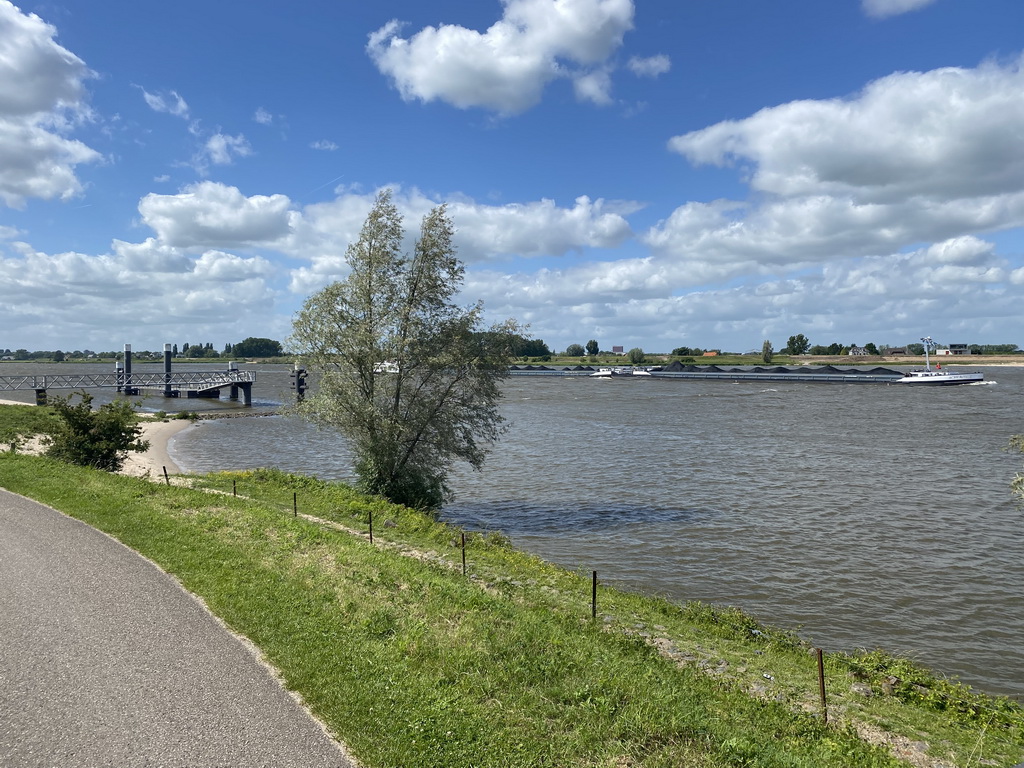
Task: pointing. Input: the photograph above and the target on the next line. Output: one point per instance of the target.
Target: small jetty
(190, 384)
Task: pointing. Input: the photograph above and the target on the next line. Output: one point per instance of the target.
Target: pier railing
(194, 380)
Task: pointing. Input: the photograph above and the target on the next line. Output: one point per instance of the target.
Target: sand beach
(149, 463)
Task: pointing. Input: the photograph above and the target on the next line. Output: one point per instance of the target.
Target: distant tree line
(250, 347)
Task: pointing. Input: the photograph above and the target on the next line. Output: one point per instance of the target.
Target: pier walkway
(174, 384)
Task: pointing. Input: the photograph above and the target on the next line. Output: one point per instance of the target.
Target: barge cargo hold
(828, 374)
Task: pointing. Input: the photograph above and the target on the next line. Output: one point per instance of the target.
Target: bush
(99, 439)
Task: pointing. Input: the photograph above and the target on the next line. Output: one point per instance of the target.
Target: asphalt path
(106, 661)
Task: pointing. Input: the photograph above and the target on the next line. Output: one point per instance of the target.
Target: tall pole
(128, 369)
(167, 370)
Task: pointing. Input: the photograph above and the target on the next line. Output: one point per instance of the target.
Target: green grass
(411, 663)
(19, 422)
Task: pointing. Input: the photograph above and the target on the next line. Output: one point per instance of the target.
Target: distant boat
(937, 377)
(621, 370)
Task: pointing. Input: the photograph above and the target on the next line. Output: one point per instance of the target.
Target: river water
(860, 515)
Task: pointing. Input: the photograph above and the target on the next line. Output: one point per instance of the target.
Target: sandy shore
(152, 461)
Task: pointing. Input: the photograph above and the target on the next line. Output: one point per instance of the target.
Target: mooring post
(167, 370)
(128, 370)
(233, 372)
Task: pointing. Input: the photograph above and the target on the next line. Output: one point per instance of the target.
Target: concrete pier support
(167, 371)
(233, 392)
(128, 389)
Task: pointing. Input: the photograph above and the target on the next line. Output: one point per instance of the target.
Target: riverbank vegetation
(411, 661)
(407, 375)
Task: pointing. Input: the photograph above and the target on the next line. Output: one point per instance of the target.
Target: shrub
(100, 438)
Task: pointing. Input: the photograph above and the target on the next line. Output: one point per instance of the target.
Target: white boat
(936, 376)
(620, 370)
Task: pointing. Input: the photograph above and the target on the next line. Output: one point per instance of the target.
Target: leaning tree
(407, 375)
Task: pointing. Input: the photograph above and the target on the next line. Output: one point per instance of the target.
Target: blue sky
(653, 174)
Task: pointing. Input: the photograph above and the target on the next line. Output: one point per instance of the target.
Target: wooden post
(463, 553)
(593, 598)
(821, 686)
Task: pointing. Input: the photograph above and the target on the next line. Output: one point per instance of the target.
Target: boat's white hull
(941, 378)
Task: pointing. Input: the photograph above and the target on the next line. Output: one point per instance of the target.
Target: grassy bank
(410, 662)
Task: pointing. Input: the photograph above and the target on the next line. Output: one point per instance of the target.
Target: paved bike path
(106, 661)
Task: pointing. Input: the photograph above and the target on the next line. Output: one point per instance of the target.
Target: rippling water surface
(862, 515)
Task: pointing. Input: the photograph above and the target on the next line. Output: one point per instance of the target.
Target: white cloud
(535, 229)
(36, 74)
(324, 145)
(884, 8)
(885, 299)
(138, 289)
(229, 268)
(506, 68)
(210, 215)
(41, 97)
(221, 148)
(595, 87)
(652, 66)
(169, 102)
(323, 231)
(915, 157)
(263, 117)
(945, 133)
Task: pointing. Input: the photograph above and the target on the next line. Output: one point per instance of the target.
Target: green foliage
(912, 684)
(797, 345)
(409, 377)
(575, 350)
(592, 347)
(257, 347)
(871, 348)
(687, 352)
(100, 438)
(636, 356)
(767, 352)
(18, 422)
(524, 347)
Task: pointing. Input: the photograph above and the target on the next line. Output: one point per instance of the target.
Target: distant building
(859, 351)
(711, 353)
(618, 351)
(896, 352)
(954, 349)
